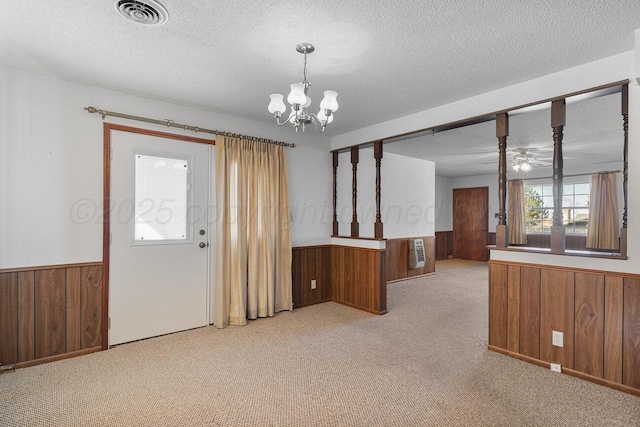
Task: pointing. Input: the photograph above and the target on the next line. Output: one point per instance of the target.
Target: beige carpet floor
(425, 363)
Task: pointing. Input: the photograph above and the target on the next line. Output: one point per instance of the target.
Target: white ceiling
(385, 59)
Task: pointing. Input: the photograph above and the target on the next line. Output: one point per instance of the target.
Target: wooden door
(470, 222)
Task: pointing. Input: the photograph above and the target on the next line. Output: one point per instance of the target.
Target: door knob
(202, 245)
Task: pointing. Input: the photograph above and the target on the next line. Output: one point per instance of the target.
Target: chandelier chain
(305, 67)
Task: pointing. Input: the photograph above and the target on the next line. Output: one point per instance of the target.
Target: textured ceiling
(385, 59)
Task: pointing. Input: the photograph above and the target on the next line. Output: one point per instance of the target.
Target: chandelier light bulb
(526, 167)
(277, 104)
(329, 102)
(297, 96)
(516, 167)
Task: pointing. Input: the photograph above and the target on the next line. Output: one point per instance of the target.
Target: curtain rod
(171, 123)
(567, 176)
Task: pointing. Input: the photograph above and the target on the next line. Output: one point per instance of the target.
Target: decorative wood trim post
(377, 153)
(625, 168)
(502, 229)
(558, 114)
(335, 193)
(355, 227)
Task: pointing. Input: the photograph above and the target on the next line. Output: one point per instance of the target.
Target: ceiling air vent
(148, 12)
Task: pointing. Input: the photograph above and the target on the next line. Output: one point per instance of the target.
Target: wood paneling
(589, 324)
(337, 272)
(597, 311)
(513, 308)
(539, 240)
(358, 279)
(557, 314)
(73, 309)
(613, 307)
(576, 242)
(8, 318)
(444, 244)
(572, 241)
(26, 316)
(498, 303)
(530, 312)
(53, 311)
(631, 333)
(50, 322)
(311, 263)
(90, 306)
(397, 258)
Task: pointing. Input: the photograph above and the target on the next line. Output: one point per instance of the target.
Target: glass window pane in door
(161, 198)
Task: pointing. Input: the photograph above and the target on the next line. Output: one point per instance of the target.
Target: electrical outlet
(313, 284)
(557, 338)
(556, 367)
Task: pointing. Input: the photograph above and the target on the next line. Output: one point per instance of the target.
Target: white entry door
(160, 252)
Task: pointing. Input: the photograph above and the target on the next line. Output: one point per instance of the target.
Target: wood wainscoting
(49, 313)
(311, 263)
(344, 274)
(398, 258)
(444, 244)
(597, 311)
(574, 242)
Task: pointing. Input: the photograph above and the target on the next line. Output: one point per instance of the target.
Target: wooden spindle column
(377, 154)
(502, 229)
(558, 114)
(625, 168)
(355, 227)
(335, 193)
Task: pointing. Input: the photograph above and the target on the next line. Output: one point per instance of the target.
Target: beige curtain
(602, 231)
(253, 256)
(516, 219)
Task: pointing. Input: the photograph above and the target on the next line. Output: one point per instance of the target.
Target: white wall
(51, 166)
(608, 70)
(407, 195)
(444, 203)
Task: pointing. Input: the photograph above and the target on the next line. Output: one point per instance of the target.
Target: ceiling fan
(524, 161)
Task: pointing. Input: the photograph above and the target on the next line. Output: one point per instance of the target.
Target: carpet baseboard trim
(58, 357)
(571, 372)
(368, 310)
(312, 303)
(402, 279)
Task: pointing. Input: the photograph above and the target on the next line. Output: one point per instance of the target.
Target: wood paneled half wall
(597, 312)
(398, 258)
(49, 313)
(347, 275)
(354, 276)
